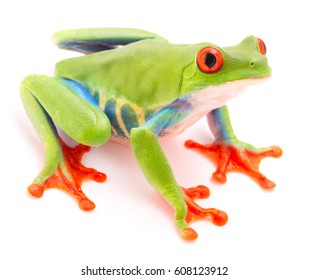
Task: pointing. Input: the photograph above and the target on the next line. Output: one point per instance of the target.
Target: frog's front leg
(157, 170)
(232, 154)
(47, 100)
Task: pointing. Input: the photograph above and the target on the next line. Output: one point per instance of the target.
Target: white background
(267, 233)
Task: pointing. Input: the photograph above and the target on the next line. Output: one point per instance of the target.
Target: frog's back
(147, 73)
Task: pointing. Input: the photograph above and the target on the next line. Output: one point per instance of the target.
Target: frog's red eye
(209, 60)
(262, 46)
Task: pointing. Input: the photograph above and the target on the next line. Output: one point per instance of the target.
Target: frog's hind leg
(91, 40)
(46, 100)
(157, 170)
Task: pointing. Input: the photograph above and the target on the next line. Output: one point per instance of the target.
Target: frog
(134, 87)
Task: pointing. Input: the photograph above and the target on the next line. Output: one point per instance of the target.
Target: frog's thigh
(82, 121)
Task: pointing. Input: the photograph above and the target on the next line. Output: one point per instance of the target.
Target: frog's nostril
(252, 63)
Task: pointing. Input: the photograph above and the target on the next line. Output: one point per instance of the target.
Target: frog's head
(229, 67)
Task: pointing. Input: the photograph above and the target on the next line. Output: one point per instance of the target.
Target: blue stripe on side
(129, 117)
(110, 111)
(81, 91)
(170, 116)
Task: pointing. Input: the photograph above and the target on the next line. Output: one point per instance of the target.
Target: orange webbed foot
(70, 175)
(237, 156)
(196, 212)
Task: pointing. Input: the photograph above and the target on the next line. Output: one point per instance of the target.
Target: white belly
(208, 99)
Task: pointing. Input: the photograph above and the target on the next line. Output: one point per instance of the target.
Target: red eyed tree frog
(135, 87)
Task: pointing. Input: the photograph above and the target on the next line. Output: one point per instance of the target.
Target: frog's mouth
(215, 96)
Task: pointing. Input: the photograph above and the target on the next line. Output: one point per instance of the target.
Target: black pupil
(210, 60)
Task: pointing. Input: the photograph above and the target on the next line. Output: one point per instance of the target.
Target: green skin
(173, 74)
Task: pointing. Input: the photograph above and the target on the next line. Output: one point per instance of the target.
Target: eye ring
(209, 60)
(262, 46)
